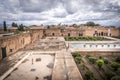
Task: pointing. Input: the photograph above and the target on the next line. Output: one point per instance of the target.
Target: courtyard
(52, 58)
(35, 67)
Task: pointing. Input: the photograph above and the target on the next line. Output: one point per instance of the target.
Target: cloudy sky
(105, 12)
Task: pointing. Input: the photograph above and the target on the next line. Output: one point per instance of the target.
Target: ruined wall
(83, 31)
(36, 34)
(114, 32)
(14, 43)
(101, 31)
(52, 32)
(71, 33)
(89, 31)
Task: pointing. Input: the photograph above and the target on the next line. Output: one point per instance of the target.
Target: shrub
(82, 66)
(87, 56)
(76, 54)
(118, 59)
(88, 75)
(100, 57)
(100, 63)
(115, 65)
(109, 75)
(92, 59)
(78, 59)
(17, 32)
(106, 61)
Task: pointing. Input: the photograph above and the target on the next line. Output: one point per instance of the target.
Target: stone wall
(101, 31)
(36, 34)
(85, 31)
(14, 43)
(115, 32)
(52, 32)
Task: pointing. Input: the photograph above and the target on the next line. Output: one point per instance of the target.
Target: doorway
(3, 52)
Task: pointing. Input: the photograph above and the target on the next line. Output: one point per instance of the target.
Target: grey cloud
(67, 11)
(9, 6)
(37, 5)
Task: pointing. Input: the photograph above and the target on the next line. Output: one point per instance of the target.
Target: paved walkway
(10, 61)
(93, 41)
(116, 39)
(65, 68)
(95, 50)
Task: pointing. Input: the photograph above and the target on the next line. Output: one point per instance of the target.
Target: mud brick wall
(14, 43)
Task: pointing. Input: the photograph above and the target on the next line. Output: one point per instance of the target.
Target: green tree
(97, 24)
(14, 24)
(90, 23)
(4, 26)
(100, 63)
(74, 25)
(21, 27)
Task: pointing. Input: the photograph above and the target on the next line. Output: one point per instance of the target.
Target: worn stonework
(79, 31)
(16, 42)
(13, 43)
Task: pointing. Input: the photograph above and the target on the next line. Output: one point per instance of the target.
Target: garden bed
(98, 68)
(87, 38)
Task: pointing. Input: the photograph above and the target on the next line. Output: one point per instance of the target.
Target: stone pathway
(10, 61)
(112, 38)
(65, 67)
